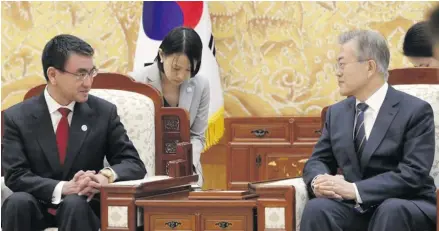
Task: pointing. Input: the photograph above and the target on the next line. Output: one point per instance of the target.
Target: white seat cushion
(275, 217)
(136, 113)
(429, 93)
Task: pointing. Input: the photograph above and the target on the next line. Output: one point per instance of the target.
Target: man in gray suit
(382, 140)
(54, 145)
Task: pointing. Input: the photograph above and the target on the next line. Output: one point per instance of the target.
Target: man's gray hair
(370, 45)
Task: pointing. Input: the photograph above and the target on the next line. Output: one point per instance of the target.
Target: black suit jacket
(30, 155)
(397, 158)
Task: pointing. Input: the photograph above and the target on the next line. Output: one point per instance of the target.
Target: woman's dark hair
(182, 40)
(417, 41)
(434, 24)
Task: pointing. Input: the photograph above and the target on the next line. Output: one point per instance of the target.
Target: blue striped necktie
(359, 132)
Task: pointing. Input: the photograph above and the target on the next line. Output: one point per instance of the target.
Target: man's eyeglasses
(340, 66)
(82, 75)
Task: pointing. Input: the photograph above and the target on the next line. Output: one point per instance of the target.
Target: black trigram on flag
(212, 45)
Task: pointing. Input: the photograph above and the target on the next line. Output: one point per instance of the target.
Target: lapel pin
(84, 127)
(189, 89)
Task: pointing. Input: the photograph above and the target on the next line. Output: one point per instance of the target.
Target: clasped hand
(85, 183)
(337, 187)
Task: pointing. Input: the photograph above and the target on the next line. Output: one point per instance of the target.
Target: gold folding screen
(276, 58)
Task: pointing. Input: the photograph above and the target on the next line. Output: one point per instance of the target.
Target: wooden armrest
(177, 168)
(183, 165)
(184, 151)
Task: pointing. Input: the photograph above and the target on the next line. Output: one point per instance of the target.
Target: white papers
(196, 187)
(138, 182)
(287, 182)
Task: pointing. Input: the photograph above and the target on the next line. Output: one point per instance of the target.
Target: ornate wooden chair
(422, 83)
(281, 203)
(161, 135)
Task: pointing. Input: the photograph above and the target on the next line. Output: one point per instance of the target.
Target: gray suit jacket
(194, 97)
(396, 159)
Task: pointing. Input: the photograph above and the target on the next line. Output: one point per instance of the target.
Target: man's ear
(51, 74)
(371, 68)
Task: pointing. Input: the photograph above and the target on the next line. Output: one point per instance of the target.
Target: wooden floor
(214, 167)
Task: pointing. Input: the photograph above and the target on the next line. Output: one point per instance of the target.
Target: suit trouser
(22, 212)
(324, 214)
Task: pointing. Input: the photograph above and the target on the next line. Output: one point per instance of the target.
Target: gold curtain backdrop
(275, 58)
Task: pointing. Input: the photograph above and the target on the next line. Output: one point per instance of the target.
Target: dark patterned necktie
(359, 132)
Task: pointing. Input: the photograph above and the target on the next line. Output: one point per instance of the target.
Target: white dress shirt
(370, 114)
(56, 116)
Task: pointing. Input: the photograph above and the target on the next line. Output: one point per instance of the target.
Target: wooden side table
(118, 209)
(178, 211)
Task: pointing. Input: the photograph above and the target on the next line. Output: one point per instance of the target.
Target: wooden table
(118, 209)
(172, 204)
(217, 211)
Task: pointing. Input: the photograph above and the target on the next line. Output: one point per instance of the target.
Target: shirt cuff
(114, 173)
(313, 180)
(357, 195)
(57, 193)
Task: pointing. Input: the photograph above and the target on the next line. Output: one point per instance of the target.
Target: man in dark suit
(54, 145)
(382, 140)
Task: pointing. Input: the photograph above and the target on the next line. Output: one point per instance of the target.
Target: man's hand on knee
(91, 185)
(323, 186)
(77, 183)
(335, 185)
(85, 183)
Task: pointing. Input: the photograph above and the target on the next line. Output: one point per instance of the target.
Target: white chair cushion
(6, 192)
(275, 216)
(429, 93)
(136, 112)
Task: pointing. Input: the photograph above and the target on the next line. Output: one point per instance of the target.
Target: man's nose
(87, 82)
(338, 72)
